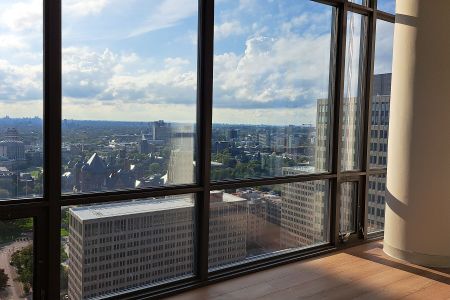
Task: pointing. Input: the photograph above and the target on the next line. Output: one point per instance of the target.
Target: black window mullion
(371, 36)
(340, 33)
(52, 139)
(204, 125)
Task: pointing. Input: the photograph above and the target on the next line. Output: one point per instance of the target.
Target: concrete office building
(120, 246)
(304, 204)
(303, 207)
(379, 132)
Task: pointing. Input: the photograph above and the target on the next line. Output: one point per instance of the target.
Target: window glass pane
(251, 223)
(21, 104)
(376, 203)
(271, 87)
(115, 247)
(16, 259)
(386, 5)
(381, 95)
(360, 2)
(129, 94)
(349, 198)
(353, 92)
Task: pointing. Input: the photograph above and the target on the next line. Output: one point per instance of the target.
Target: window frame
(46, 210)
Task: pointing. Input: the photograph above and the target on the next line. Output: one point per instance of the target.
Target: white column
(417, 226)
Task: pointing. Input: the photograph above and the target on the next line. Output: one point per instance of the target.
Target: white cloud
(21, 16)
(278, 77)
(10, 41)
(20, 82)
(274, 69)
(122, 110)
(167, 14)
(279, 116)
(84, 8)
(108, 77)
(227, 29)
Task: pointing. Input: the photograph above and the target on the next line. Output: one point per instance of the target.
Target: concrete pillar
(417, 225)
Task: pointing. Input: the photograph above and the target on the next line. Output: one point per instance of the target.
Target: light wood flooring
(362, 272)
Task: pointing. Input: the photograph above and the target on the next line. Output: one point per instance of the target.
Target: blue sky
(136, 59)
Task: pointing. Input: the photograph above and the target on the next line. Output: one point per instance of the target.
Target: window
(129, 95)
(272, 94)
(251, 223)
(353, 92)
(181, 148)
(381, 92)
(360, 2)
(386, 5)
(21, 66)
(349, 200)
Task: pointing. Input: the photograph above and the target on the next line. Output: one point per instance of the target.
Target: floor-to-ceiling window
(148, 146)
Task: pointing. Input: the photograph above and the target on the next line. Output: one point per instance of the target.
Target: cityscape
(152, 240)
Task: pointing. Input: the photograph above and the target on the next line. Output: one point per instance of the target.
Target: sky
(136, 60)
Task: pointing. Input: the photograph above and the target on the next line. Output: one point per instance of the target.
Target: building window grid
(53, 201)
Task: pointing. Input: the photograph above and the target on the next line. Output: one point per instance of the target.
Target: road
(14, 291)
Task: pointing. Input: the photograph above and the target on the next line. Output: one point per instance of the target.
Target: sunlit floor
(362, 272)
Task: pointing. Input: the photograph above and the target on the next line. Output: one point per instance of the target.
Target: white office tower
(114, 247)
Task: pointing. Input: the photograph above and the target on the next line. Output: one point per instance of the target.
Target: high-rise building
(113, 247)
(227, 229)
(303, 210)
(181, 161)
(143, 146)
(256, 219)
(379, 128)
(160, 130)
(304, 203)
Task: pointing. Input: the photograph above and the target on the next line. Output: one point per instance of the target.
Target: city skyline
(123, 78)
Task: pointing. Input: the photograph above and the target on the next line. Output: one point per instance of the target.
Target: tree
(154, 168)
(3, 279)
(22, 260)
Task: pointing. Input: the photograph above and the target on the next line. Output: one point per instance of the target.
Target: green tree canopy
(22, 260)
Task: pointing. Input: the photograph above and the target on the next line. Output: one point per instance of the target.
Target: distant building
(219, 146)
(12, 146)
(143, 145)
(181, 161)
(160, 130)
(256, 220)
(273, 210)
(232, 134)
(93, 174)
(8, 183)
(264, 140)
(97, 175)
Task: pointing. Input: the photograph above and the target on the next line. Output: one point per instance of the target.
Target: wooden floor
(362, 272)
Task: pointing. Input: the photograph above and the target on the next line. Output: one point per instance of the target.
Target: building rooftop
(232, 198)
(301, 169)
(220, 197)
(129, 208)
